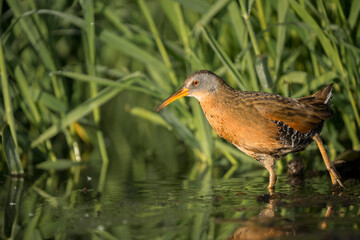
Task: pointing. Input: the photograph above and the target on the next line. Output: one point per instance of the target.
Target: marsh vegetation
(80, 82)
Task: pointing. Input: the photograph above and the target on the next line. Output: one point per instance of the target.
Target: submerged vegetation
(80, 80)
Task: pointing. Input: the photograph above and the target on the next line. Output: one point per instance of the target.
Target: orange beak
(182, 92)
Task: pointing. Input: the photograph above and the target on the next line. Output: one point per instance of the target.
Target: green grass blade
(169, 8)
(111, 15)
(238, 24)
(132, 50)
(120, 43)
(25, 91)
(6, 95)
(48, 100)
(89, 48)
(53, 201)
(224, 59)
(199, 6)
(59, 165)
(101, 234)
(209, 14)
(159, 43)
(261, 15)
(38, 43)
(12, 206)
(77, 21)
(262, 70)
(150, 116)
(105, 160)
(136, 77)
(354, 13)
(351, 129)
(98, 80)
(32, 34)
(328, 47)
(175, 14)
(203, 132)
(240, 156)
(77, 113)
(107, 82)
(88, 10)
(11, 153)
(181, 130)
(241, 33)
(246, 15)
(282, 9)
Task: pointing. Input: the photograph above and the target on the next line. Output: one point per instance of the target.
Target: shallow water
(236, 208)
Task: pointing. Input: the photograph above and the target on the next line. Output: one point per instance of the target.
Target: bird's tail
(324, 95)
(319, 102)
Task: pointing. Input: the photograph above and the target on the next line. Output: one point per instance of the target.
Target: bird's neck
(215, 102)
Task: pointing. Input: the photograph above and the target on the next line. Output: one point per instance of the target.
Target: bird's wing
(302, 114)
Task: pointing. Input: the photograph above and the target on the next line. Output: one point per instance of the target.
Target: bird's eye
(196, 82)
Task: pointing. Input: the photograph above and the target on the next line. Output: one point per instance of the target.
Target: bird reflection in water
(263, 226)
(268, 224)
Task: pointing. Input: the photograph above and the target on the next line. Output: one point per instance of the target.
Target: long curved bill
(182, 92)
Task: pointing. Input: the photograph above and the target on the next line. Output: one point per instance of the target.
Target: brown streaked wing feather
(301, 114)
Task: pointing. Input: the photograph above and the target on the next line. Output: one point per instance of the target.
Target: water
(206, 208)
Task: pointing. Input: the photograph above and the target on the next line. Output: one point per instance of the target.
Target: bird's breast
(240, 125)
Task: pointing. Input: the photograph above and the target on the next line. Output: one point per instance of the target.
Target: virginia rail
(265, 126)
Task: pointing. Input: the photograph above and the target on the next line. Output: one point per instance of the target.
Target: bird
(263, 125)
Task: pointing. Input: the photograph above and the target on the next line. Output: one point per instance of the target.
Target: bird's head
(200, 85)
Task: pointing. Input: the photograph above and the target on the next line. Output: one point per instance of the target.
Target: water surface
(235, 208)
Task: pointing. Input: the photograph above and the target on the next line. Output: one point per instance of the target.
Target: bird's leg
(335, 176)
(272, 176)
(269, 163)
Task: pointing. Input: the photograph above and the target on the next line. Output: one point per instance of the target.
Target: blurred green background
(81, 80)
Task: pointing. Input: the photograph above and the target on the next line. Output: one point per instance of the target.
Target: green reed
(80, 82)
(63, 62)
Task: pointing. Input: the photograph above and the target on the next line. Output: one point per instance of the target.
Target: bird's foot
(335, 177)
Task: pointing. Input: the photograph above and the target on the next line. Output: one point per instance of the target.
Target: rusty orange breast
(238, 123)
